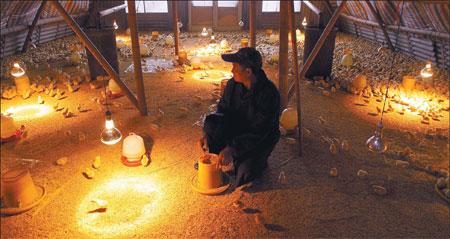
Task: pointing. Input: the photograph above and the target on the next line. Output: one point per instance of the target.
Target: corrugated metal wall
(428, 16)
(18, 15)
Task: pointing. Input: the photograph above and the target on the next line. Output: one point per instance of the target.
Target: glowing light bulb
(213, 42)
(110, 135)
(204, 32)
(375, 143)
(241, 23)
(17, 70)
(115, 25)
(304, 23)
(427, 71)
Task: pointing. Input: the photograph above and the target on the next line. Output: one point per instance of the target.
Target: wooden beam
(381, 24)
(33, 24)
(175, 27)
(283, 65)
(252, 23)
(319, 43)
(132, 23)
(94, 51)
(296, 79)
(313, 8)
(112, 10)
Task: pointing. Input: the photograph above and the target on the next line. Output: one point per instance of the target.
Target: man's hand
(203, 144)
(225, 157)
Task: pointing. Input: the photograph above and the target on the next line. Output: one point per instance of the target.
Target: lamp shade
(375, 143)
(110, 134)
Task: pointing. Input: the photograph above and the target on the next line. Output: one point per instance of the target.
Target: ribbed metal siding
(417, 46)
(12, 43)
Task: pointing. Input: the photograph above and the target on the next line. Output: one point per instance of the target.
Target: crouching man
(245, 128)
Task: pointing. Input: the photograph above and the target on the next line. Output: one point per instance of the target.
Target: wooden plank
(252, 11)
(175, 26)
(283, 65)
(132, 23)
(292, 28)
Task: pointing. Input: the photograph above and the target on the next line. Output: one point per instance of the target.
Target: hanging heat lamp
(375, 143)
(21, 80)
(241, 23)
(304, 23)
(427, 71)
(204, 32)
(110, 134)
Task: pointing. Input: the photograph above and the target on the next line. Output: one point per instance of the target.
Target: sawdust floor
(295, 198)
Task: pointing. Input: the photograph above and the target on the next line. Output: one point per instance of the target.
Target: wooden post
(132, 23)
(94, 51)
(252, 23)
(296, 79)
(283, 65)
(175, 27)
(319, 43)
(381, 24)
(33, 24)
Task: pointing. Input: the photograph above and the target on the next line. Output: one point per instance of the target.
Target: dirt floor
(296, 198)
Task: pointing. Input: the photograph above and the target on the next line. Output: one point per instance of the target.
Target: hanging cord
(106, 95)
(392, 62)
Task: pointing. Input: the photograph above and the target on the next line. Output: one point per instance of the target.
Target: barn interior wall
(45, 31)
(416, 45)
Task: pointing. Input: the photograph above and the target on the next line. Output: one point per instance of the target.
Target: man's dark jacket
(251, 115)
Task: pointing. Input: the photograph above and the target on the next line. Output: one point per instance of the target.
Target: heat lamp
(110, 134)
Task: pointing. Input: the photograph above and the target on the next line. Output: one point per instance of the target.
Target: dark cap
(247, 57)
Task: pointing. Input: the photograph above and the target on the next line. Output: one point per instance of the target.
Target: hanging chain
(392, 62)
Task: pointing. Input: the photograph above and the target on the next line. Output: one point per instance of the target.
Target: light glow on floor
(130, 205)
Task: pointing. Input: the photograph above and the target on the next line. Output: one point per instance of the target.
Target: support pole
(132, 23)
(94, 51)
(252, 23)
(283, 65)
(381, 24)
(319, 43)
(296, 79)
(33, 24)
(175, 27)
